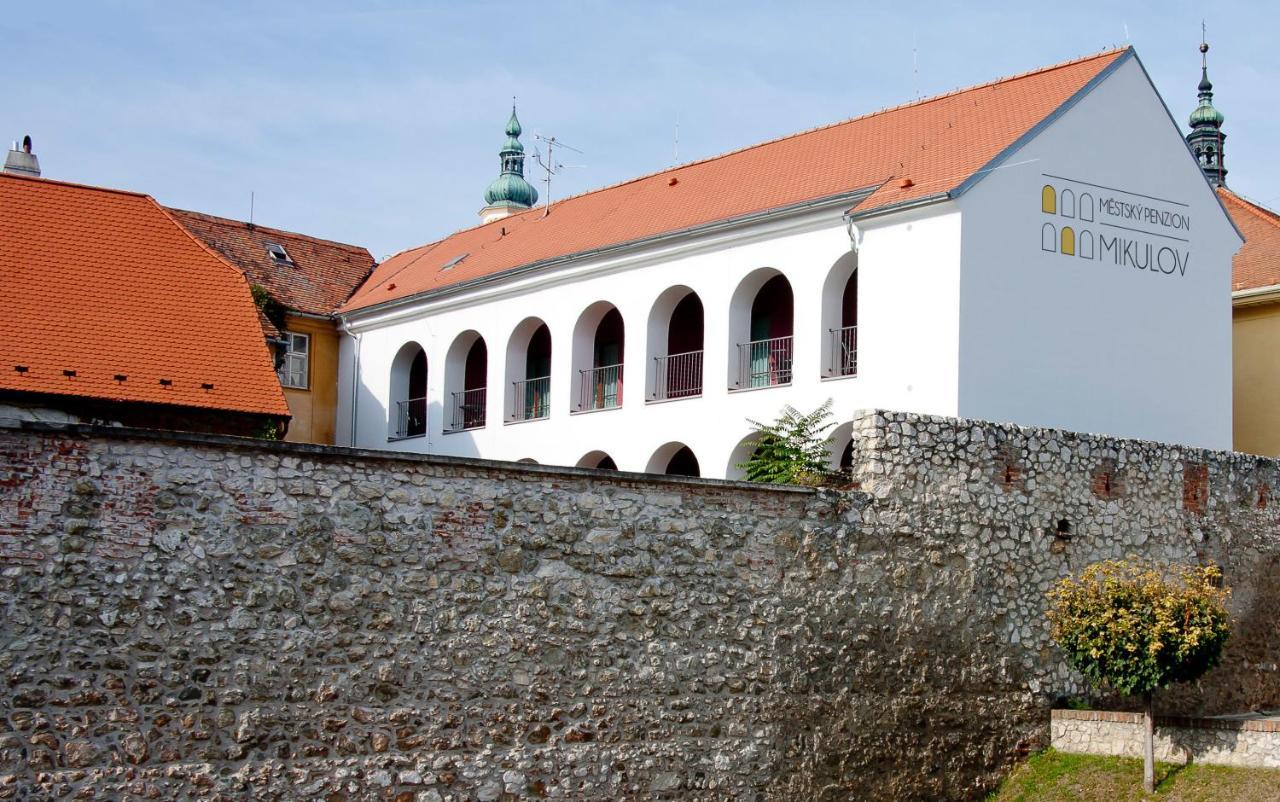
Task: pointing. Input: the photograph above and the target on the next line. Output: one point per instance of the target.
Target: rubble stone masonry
(185, 616)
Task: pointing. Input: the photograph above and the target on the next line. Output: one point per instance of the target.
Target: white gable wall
(1081, 343)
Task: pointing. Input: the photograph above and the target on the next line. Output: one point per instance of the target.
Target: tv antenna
(550, 166)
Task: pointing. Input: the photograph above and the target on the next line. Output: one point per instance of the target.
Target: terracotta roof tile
(937, 143)
(1257, 263)
(322, 275)
(105, 283)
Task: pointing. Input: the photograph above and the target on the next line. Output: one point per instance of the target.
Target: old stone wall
(1225, 742)
(192, 617)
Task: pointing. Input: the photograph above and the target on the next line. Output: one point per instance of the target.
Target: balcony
(468, 410)
(765, 363)
(677, 376)
(532, 399)
(844, 351)
(411, 418)
(600, 388)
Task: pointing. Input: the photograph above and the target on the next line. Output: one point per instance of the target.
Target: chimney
(21, 160)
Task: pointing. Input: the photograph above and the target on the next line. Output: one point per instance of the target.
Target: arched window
(409, 392)
(528, 369)
(761, 318)
(675, 345)
(840, 318)
(598, 347)
(1068, 241)
(1068, 207)
(466, 374)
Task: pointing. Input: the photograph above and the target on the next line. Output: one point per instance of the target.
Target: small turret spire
(510, 192)
(1206, 135)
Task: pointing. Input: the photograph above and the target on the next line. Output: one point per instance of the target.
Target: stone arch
(761, 329)
(839, 324)
(598, 460)
(740, 454)
(598, 345)
(674, 459)
(466, 371)
(674, 339)
(528, 371)
(407, 412)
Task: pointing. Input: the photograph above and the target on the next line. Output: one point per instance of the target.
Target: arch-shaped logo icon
(1048, 200)
(1068, 241)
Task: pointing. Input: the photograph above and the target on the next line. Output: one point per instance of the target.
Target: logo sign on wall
(1115, 226)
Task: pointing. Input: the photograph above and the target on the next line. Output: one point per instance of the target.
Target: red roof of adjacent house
(1257, 263)
(319, 275)
(938, 143)
(100, 283)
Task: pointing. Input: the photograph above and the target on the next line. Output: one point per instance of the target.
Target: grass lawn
(1058, 777)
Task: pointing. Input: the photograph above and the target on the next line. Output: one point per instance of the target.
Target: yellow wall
(1255, 346)
(314, 409)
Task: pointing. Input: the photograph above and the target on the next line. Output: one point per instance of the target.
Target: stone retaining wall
(209, 618)
(1227, 742)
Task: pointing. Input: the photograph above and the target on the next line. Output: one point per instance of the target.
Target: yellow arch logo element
(1048, 200)
(1068, 241)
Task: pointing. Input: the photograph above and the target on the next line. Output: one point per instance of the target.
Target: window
(294, 367)
(278, 253)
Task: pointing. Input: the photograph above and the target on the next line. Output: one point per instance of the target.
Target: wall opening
(528, 371)
(675, 345)
(408, 412)
(761, 318)
(466, 372)
(599, 341)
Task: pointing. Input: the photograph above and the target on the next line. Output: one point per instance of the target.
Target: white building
(1043, 250)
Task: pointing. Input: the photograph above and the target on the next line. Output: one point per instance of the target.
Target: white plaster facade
(960, 312)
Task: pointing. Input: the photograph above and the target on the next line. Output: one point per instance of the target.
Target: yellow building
(1255, 327)
(297, 282)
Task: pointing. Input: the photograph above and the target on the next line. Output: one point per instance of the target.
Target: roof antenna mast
(251, 208)
(550, 165)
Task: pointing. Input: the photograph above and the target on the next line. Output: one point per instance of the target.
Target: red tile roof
(1257, 263)
(322, 275)
(938, 143)
(105, 283)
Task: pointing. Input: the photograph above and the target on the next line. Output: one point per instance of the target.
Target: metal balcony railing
(844, 351)
(762, 363)
(411, 417)
(677, 376)
(468, 409)
(601, 388)
(532, 399)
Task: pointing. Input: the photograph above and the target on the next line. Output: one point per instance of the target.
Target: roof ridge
(783, 138)
(258, 227)
(74, 184)
(1254, 208)
(846, 121)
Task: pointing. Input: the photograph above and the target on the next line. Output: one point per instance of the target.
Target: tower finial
(510, 192)
(1206, 135)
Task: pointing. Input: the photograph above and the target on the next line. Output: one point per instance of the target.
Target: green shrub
(793, 450)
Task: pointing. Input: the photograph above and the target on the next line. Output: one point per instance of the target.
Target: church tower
(1206, 135)
(509, 193)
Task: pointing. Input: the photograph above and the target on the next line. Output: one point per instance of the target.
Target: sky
(379, 123)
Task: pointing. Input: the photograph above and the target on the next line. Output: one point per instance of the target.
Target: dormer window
(278, 254)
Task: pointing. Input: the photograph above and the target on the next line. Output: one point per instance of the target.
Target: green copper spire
(1206, 135)
(510, 189)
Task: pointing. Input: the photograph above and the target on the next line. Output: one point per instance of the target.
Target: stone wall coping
(346, 452)
(1185, 722)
